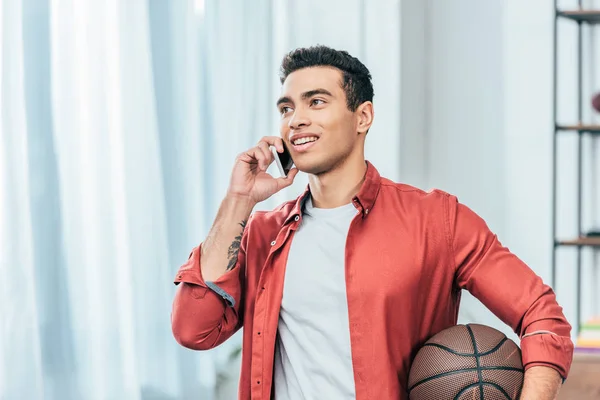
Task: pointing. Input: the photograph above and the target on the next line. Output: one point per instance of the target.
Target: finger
(284, 182)
(273, 141)
(255, 156)
(268, 155)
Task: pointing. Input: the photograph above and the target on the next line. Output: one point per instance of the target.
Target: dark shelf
(581, 128)
(582, 241)
(588, 16)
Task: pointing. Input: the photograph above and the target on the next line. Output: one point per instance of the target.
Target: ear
(364, 114)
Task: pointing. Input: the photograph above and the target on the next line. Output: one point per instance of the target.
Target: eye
(285, 110)
(316, 102)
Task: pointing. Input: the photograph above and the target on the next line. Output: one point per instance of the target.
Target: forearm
(221, 247)
(541, 383)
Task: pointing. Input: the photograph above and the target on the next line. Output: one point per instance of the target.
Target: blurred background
(120, 121)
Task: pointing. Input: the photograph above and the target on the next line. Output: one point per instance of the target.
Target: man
(338, 289)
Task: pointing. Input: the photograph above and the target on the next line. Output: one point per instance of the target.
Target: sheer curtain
(119, 123)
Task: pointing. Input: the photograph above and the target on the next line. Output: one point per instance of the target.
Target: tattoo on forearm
(234, 249)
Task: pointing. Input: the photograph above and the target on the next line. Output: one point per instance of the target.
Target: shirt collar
(364, 199)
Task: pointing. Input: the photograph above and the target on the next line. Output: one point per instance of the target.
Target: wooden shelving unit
(582, 241)
(580, 128)
(580, 17)
(584, 16)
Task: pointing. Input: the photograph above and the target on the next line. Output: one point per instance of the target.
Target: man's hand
(249, 178)
(541, 383)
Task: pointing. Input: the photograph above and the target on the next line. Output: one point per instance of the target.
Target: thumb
(288, 180)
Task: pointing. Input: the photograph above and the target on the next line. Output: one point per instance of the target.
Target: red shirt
(409, 253)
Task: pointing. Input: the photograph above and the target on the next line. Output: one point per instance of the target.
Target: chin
(315, 167)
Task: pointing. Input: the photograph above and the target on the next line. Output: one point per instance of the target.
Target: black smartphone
(283, 160)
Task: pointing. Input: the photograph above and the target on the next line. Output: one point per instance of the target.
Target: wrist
(240, 202)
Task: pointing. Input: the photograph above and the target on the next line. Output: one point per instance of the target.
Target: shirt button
(297, 218)
(367, 211)
(273, 243)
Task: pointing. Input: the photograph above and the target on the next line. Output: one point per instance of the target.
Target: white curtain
(119, 123)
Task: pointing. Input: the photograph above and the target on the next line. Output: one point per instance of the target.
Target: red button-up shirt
(409, 253)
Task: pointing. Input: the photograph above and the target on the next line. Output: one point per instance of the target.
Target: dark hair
(356, 77)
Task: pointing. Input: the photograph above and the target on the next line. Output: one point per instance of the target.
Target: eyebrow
(305, 95)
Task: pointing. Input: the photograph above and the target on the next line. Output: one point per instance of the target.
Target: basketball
(467, 362)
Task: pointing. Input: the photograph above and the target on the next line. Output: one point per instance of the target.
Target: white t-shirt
(313, 357)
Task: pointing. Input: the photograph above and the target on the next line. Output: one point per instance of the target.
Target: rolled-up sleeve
(510, 289)
(205, 314)
(226, 286)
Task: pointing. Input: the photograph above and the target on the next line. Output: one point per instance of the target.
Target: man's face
(316, 124)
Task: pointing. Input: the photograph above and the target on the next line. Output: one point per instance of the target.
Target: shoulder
(415, 197)
(435, 206)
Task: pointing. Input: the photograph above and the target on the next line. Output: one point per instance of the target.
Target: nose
(299, 120)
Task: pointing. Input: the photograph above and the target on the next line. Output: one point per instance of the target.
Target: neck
(337, 187)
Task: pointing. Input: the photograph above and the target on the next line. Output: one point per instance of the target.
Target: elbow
(197, 325)
(192, 343)
(192, 339)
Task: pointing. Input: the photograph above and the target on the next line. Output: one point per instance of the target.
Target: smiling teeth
(304, 140)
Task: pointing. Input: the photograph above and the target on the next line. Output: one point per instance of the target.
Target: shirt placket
(266, 314)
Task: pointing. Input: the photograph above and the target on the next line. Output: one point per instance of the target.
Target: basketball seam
(481, 384)
(479, 374)
(495, 347)
(443, 374)
(449, 350)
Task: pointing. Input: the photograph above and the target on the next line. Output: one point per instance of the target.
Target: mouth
(304, 143)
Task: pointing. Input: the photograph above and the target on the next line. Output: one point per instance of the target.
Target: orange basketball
(467, 362)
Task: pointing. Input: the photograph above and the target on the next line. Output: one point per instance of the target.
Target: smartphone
(283, 160)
